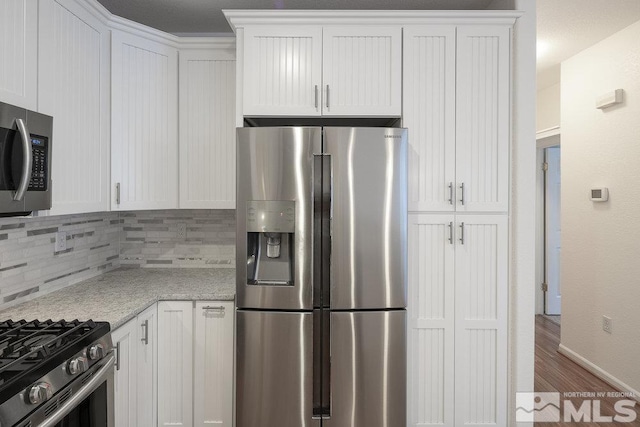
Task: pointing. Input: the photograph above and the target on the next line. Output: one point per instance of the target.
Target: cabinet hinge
(545, 166)
(545, 287)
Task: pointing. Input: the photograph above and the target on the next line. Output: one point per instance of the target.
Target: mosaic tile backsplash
(100, 242)
(30, 265)
(197, 238)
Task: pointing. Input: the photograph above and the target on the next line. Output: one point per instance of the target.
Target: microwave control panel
(39, 178)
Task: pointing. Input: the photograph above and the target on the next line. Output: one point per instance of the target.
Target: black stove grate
(29, 350)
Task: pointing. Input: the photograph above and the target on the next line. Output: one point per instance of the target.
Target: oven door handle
(95, 382)
(27, 160)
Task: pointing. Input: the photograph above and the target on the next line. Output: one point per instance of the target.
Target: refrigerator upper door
(274, 379)
(368, 369)
(368, 217)
(275, 214)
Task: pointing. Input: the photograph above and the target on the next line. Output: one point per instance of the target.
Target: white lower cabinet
(135, 385)
(195, 359)
(457, 309)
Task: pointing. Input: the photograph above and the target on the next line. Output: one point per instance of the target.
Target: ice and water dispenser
(270, 242)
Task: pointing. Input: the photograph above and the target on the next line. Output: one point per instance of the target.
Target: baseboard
(598, 372)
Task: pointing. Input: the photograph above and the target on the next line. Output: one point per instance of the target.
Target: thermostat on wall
(599, 194)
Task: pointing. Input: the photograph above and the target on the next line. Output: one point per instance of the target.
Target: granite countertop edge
(120, 295)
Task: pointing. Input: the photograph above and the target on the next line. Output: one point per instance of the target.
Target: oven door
(91, 402)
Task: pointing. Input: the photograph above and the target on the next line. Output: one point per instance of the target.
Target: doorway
(552, 242)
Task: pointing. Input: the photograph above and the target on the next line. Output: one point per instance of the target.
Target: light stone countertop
(118, 296)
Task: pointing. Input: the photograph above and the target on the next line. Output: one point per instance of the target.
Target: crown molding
(241, 18)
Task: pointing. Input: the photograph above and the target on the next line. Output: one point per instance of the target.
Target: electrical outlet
(607, 324)
(182, 231)
(61, 241)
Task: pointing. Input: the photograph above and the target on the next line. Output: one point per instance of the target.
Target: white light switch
(61, 241)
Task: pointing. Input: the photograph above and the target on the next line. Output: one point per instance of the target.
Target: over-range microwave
(25, 161)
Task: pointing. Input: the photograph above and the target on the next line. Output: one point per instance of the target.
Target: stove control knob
(96, 352)
(77, 365)
(39, 393)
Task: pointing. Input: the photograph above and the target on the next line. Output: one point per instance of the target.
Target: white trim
(598, 371)
(545, 133)
(241, 18)
(222, 43)
(549, 141)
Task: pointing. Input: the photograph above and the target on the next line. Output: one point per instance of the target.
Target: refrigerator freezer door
(274, 380)
(369, 217)
(368, 369)
(275, 168)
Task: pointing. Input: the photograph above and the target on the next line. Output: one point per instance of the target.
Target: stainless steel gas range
(56, 374)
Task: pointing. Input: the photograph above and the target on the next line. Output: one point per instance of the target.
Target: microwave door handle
(27, 160)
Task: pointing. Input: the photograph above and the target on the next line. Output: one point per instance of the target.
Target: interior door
(274, 375)
(368, 369)
(552, 230)
(368, 217)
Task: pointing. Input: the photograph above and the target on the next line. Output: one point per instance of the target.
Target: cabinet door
(213, 352)
(481, 320)
(207, 130)
(175, 363)
(124, 339)
(431, 320)
(144, 124)
(19, 53)
(429, 113)
(147, 362)
(482, 118)
(362, 71)
(282, 71)
(74, 89)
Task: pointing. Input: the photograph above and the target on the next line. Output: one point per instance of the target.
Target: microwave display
(39, 166)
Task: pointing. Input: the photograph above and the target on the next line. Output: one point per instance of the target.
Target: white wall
(601, 241)
(548, 108)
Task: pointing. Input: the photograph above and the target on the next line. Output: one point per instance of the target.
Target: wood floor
(556, 373)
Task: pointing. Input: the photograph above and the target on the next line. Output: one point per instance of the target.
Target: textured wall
(152, 239)
(601, 241)
(548, 108)
(29, 265)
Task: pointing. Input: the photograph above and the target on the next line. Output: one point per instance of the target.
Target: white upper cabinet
(74, 89)
(310, 71)
(19, 52)
(207, 128)
(456, 106)
(429, 114)
(482, 118)
(362, 71)
(144, 147)
(282, 71)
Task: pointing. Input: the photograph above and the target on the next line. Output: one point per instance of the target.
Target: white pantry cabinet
(136, 384)
(458, 289)
(347, 71)
(73, 88)
(456, 106)
(19, 53)
(207, 128)
(144, 136)
(195, 348)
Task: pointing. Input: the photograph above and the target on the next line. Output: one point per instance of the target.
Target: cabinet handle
(213, 308)
(145, 339)
(451, 193)
(117, 362)
(117, 193)
(451, 233)
(316, 101)
(462, 233)
(462, 194)
(327, 96)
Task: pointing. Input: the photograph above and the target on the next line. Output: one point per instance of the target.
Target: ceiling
(566, 27)
(205, 16)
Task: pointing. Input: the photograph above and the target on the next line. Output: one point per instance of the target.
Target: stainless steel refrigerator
(321, 277)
